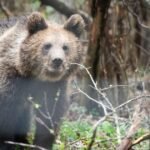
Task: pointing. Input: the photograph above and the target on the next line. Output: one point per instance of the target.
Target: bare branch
(111, 113)
(94, 100)
(142, 138)
(131, 100)
(59, 6)
(26, 145)
(64, 9)
(47, 111)
(51, 131)
(140, 112)
(135, 15)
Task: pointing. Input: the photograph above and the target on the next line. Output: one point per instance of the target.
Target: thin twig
(131, 100)
(111, 113)
(135, 15)
(94, 100)
(127, 142)
(47, 110)
(97, 89)
(142, 138)
(25, 145)
(51, 131)
(92, 140)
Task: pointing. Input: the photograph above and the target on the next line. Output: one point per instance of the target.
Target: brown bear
(36, 61)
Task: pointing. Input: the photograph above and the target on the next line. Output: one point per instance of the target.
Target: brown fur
(35, 64)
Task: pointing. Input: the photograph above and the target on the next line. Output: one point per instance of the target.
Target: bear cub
(36, 60)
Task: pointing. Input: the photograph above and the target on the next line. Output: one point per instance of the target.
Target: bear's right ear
(36, 22)
(75, 24)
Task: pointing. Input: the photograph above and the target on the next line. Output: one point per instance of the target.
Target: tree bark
(105, 56)
(99, 10)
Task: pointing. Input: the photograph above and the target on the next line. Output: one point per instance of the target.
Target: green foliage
(76, 135)
(108, 128)
(49, 11)
(35, 4)
(71, 131)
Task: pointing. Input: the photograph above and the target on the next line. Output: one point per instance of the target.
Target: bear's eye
(65, 48)
(46, 48)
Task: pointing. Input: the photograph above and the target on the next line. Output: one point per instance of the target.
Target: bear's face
(49, 50)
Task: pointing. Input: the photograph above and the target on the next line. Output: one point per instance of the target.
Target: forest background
(110, 97)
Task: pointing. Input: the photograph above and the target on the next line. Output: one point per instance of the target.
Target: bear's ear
(36, 22)
(75, 24)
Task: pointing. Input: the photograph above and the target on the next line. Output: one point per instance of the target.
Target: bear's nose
(57, 62)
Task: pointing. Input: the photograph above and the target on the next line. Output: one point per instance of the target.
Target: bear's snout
(57, 62)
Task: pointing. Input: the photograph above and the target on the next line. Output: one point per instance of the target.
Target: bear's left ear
(75, 24)
(36, 22)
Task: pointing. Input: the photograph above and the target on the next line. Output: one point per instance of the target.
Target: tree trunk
(105, 57)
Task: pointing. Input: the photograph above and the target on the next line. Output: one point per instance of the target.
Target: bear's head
(49, 50)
